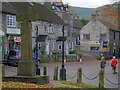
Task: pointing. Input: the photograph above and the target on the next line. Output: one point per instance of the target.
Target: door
(114, 52)
(119, 52)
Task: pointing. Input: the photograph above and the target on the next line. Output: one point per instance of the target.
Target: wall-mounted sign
(17, 39)
(13, 31)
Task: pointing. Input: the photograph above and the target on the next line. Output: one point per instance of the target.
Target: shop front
(1, 44)
(12, 40)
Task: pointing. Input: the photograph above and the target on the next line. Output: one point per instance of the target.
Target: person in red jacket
(114, 64)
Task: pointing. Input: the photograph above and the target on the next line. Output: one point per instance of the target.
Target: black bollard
(62, 74)
(37, 71)
(44, 70)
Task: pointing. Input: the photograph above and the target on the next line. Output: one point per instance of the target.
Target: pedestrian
(38, 54)
(37, 64)
(114, 64)
(102, 63)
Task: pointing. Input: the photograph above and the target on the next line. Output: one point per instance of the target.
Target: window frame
(85, 35)
(11, 20)
(59, 46)
(97, 48)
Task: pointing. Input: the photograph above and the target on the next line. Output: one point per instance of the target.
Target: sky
(88, 3)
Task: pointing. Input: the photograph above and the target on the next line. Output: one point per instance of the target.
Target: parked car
(14, 57)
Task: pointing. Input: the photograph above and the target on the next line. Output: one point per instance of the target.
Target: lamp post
(62, 70)
(36, 42)
(114, 47)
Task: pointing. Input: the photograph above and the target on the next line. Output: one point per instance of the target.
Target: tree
(84, 21)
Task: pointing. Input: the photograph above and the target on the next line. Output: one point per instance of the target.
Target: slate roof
(42, 12)
(7, 8)
(77, 24)
(109, 25)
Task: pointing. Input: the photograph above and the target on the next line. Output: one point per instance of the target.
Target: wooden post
(79, 75)
(44, 70)
(55, 73)
(101, 79)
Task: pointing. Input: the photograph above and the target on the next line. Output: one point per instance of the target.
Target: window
(103, 36)
(105, 44)
(60, 47)
(78, 40)
(70, 45)
(11, 21)
(50, 30)
(94, 48)
(53, 46)
(74, 30)
(86, 36)
(39, 46)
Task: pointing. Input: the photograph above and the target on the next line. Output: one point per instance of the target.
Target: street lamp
(114, 47)
(36, 42)
(63, 70)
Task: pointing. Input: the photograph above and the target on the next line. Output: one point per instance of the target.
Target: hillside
(110, 13)
(83, 12)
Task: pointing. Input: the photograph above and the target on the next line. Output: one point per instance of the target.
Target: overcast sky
(88, 3)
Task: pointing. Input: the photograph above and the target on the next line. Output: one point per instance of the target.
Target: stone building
(72, 28)
(11, 29)
(45, 24)
(100, 37)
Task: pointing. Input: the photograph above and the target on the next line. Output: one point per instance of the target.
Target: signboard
(17, 39)
(13, 31)
(93, 42)
(1, 33)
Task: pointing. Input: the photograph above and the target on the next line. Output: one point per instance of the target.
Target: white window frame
(59, 46)
(11, 20)
(50, 30)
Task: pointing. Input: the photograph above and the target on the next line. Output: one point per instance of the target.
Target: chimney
(95, 16)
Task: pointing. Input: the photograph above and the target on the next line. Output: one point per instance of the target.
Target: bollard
(101, 79)
(44, 70)
(55, 73)
(79, 75)
(62, 74)
(3, 70)
(37, 71)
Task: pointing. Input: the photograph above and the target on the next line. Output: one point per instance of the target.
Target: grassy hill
(83, 12)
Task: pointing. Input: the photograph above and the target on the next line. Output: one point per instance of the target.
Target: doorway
(119, 53)
(114, 52)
